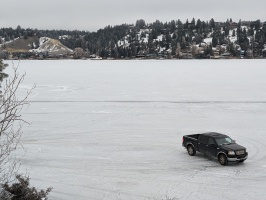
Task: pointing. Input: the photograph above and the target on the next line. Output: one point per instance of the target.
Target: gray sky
(92, 15)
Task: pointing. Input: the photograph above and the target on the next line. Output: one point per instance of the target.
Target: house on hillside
(219, 24)
(186, 53)
(163, 31)
(245, 23)
(226, 55)
(232, 25)
(141, 54)
(215, 54)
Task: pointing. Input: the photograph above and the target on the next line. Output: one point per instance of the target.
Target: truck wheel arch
(222, 158)
(191, 149)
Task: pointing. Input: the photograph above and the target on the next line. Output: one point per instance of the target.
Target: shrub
(21, 190)
(4, 195)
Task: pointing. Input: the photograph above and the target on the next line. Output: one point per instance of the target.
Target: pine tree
(214, 41)
(2, 74)
(212, 23)
(172, 26)
(140, 24)
(257, 24)
(192, 24)
(199, 26)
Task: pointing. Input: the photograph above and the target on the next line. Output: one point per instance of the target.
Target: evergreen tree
(214, 41)
(168, 38)
(250, 32)
(192, 24)
(212, 23)
(226, 31)
(199, 26)
(257, 24)
(186, 25)
(208, 50)
(179, 25)
(234, 33)
(172, 26)
(140, 24)
(183, 43)
(25, 35)
(2, 74)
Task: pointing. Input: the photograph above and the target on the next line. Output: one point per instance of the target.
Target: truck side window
(211, 141)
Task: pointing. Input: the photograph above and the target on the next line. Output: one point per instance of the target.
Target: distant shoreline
(104, 59)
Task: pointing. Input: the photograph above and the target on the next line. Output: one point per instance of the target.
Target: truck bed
(194, 136)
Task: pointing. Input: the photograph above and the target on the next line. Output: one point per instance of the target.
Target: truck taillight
(182, 139)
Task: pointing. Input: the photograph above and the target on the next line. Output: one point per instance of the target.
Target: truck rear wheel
(191, 150)
(222, 159)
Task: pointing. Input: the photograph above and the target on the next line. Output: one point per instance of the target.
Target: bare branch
(11, 122)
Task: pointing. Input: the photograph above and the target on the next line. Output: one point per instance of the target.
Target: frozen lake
(113, 129)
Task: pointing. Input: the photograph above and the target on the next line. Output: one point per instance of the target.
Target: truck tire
(191, 150)
(223, 159)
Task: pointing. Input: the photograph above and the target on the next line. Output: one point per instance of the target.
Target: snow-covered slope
(51, 46)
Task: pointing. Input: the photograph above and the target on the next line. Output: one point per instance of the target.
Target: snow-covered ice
(113, 129)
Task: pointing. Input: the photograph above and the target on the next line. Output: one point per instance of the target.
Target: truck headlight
(231, 153)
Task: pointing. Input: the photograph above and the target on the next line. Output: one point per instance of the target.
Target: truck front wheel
(191, 150)
(222, 159)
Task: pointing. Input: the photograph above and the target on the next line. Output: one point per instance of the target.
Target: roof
(214, 134)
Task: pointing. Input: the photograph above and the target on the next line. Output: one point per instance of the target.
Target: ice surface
(113, 129)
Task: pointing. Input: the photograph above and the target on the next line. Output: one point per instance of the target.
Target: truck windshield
(224, 141)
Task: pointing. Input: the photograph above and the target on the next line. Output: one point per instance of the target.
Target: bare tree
(78, 53)
(11, 121)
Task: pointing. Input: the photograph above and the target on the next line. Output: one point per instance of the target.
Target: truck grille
(240, 152)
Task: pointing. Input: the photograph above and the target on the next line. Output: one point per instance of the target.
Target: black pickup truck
(217, 145)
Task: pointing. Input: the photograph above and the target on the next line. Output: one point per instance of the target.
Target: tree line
(141, 38)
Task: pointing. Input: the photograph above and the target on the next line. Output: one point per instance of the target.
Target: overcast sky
(92, 15)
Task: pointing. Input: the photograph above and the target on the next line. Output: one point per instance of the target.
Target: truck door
(211, 147)
(202, 143)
